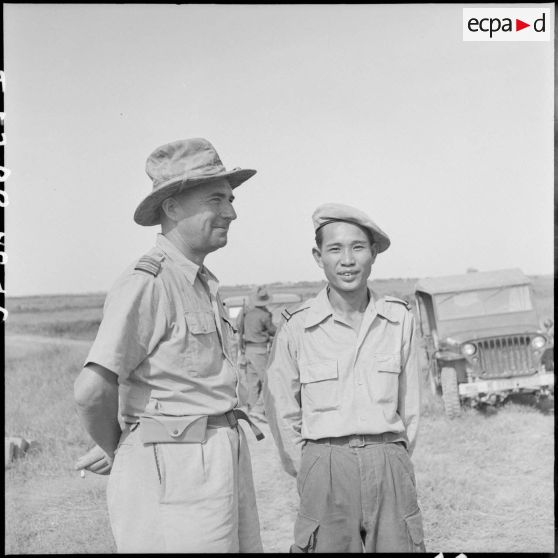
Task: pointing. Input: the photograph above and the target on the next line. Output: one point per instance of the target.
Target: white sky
(448, 145)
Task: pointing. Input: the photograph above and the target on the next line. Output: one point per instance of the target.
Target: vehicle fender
(448, 356)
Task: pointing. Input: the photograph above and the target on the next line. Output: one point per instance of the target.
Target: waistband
(256, 344)
(229, 420)
(361, 440)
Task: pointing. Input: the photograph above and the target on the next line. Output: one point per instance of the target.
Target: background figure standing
(256, 331)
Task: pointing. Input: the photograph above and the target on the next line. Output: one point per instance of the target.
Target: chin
(347, 288)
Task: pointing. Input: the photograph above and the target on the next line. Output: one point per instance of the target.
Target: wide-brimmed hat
(261, 297)
(180, 165)
(332, 212)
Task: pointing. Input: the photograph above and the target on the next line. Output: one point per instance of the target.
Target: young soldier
(159, 390)
(342, 399)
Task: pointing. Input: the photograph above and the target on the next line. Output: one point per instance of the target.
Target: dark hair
(319, 238)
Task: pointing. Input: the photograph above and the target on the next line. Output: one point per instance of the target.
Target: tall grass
(39, 407)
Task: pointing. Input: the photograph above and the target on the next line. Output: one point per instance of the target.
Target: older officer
(256, 330)
(159, 389)
(342, 399)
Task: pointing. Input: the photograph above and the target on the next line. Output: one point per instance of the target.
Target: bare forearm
(101, 423)
(96, 395)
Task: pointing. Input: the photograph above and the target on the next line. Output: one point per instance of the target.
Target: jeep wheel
(450, 393)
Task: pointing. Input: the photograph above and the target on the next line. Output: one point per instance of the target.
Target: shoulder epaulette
(288, 314)
(150, 264)
(398, 300)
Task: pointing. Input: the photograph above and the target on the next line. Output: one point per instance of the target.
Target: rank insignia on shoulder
(398, 301)
(288, 314)
(149, 264)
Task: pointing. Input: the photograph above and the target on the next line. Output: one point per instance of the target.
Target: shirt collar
(320, 308)
(189, 268)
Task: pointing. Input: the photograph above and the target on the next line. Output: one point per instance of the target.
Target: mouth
(348, 275)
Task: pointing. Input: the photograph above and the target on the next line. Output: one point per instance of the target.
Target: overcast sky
(447, 144)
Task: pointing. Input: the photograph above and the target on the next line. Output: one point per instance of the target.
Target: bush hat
(261, 297)
(180, 165)
(332, 212)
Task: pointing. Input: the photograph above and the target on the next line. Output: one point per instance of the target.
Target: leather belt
(256, 343)
(361, 440)
(231, 419)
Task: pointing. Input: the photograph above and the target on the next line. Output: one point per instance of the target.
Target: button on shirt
(326, 380)
(168, 339)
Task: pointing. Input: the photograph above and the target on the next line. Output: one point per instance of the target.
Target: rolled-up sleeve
(133, 323)
(410, 383)
(281, 391)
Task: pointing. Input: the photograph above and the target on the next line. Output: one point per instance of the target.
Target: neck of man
(180, 242)
(348, 303)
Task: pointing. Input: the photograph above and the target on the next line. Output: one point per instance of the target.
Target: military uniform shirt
(168, 339)
(258, 325)
(326, 380)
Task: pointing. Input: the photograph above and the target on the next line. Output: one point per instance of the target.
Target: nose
(347, 258)
(228, 211)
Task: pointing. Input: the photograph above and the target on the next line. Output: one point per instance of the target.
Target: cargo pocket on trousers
(416, 533)
(305, 534)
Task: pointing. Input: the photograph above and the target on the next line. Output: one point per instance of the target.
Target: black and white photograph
(278, 278)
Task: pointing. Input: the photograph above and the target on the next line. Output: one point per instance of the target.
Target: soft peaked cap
(179, 165)
(332, 212)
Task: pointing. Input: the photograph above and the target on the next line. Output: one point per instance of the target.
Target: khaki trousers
(256, 364)
(184, 497)
(357, 499)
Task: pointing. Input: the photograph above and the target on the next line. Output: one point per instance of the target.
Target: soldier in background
(256, 330)
(342, 399)
(159, 392)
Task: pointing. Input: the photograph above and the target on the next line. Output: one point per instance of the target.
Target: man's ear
(317, 256)
(171, 208)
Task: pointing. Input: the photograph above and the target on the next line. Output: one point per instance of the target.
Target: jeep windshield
(485, 302)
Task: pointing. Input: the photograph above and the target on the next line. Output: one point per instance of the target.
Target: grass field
(485, 481)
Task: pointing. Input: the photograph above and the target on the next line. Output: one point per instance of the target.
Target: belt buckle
(357, 441)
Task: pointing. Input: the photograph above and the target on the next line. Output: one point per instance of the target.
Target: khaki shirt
(168, 339)
(325, 380)
(257, 325)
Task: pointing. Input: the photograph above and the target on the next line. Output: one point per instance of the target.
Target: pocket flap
(200, 322)
(318, 371)
(161, 429)
(304, 529)
(387, 363)
(414, 525)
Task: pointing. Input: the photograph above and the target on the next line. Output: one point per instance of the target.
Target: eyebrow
(338, 243)
(221, 195)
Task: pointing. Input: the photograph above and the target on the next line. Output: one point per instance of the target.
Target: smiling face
(201, 216)
(345, 255)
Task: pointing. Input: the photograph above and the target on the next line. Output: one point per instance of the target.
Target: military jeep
(483, 339)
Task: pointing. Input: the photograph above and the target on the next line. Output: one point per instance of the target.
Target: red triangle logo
(519, 25)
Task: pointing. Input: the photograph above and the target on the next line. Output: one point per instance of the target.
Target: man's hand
(96, 461)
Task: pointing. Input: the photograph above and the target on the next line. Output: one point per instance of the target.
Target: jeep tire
(450, 392)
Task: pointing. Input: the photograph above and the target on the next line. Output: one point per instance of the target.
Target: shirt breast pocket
(203, 345)
(320, 385)
(386, 368)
